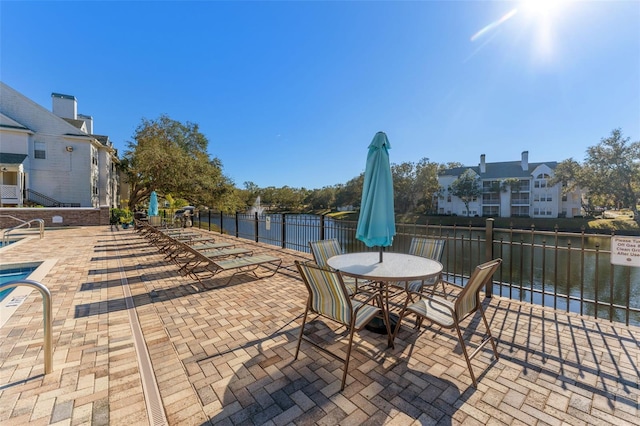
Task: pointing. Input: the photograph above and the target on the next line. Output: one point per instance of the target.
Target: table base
(377, 326)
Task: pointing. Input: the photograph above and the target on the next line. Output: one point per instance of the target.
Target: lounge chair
(201, 266)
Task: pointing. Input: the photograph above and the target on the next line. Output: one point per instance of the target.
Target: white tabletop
(394, 266)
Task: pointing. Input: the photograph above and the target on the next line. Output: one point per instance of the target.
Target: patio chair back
(328, 295)
(450, 315)
(329, 298)
(324, 249)
(430, 248)
(468, 300)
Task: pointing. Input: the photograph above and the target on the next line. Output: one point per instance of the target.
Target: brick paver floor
(224, 354)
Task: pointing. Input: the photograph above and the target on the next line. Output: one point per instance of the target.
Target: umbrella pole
(380, 254)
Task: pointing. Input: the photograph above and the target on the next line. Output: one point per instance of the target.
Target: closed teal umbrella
(153, 204)
(377, 222)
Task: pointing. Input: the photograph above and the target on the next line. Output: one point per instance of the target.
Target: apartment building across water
(511, 189)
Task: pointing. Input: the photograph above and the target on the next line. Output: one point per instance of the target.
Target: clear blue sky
(292, 93)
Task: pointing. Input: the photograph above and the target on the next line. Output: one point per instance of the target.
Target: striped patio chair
(322, 250)
(449, 314)
(431, 248)
(329, 298)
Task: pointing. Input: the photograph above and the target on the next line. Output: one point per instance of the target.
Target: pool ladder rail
(46, 313)
(5, 233)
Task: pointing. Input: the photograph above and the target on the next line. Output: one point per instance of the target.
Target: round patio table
(394, 267)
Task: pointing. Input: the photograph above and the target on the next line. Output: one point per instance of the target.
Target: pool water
(8, 275)
(6, 243)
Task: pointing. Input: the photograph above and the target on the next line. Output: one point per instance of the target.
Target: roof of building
(75, 123)
(104, 140)
(8, 158)
(9, 123)
(60, 95)
(505, 169)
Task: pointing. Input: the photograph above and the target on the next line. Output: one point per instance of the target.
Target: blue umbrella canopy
(153, 204)
(377, 222)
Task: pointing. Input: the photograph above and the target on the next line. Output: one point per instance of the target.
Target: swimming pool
(8, 242)
(13, 273)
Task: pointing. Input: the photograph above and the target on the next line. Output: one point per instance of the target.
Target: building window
(490, 211)
(541, 181)
(39, 150)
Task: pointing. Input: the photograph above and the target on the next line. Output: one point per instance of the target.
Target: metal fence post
(256, 226)
(488, 289)
(237, 223)
(284, 231)
(321, 227)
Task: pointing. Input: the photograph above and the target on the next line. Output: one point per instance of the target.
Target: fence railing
(566, 271)
(46, 201)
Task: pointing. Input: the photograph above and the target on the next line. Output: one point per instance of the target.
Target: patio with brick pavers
(216, 354)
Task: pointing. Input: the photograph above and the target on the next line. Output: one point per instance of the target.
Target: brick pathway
(224, 355)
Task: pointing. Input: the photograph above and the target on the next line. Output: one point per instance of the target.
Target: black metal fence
(566, 271)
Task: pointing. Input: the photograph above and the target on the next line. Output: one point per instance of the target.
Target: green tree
(350, 194)
(171, 158)
(612, 169)
(610, 174)
(404, 186)
(323, 198)
(427, 187)
(467, 188)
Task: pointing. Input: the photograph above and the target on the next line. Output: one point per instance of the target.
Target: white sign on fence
(625, 251)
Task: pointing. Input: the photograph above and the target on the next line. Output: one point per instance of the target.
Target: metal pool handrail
(46, 313)
(5, 233)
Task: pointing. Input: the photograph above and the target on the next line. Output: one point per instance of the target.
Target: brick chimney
(525, 160)
(483, 165)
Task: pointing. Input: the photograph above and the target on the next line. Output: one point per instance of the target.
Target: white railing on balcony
(10, 194)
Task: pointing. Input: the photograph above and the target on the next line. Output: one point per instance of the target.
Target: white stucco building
(523, 191)
(52, 158)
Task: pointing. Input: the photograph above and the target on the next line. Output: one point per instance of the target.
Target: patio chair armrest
(458, 286)
(369, 298)
(437, 301)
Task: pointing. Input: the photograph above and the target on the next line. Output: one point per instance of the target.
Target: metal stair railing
(46, 201)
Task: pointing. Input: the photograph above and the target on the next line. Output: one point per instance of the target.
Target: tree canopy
(466, 187)
(610, 174)
(171, 158)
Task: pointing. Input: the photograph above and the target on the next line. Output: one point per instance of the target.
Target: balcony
(10, 195)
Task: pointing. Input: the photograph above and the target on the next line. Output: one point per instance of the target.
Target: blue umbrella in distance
(377, 222)
(153, 204)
